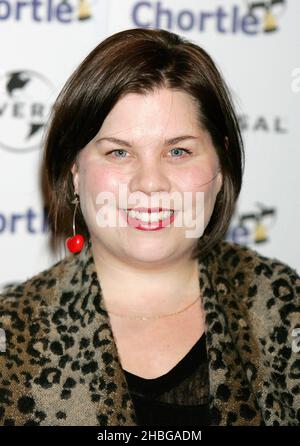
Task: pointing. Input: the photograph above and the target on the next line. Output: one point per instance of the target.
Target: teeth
(149, 217)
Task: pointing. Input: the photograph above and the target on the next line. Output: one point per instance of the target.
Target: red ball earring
(76, 242)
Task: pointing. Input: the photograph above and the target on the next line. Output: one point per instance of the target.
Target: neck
(135, 288)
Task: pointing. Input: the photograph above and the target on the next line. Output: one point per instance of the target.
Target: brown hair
(139, 61)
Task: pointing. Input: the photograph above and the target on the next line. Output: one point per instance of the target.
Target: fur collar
(251, 304)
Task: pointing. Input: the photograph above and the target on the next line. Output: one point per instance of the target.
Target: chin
(151, 252)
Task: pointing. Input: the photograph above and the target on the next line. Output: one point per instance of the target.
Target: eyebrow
(167, 142)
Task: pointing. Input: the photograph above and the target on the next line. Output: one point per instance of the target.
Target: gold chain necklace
(154, 317)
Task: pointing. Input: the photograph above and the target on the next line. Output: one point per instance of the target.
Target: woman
(146, 322)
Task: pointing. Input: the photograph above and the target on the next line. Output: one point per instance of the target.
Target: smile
(148, 221)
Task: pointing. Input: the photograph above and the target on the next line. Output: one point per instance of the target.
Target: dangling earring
(76, 242)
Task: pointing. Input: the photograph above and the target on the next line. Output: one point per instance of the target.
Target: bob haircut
(139, 61)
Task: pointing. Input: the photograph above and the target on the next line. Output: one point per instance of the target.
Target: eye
(178, 149)
(117, 151)
(175, 150)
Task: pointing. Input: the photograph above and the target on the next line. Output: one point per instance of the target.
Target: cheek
(95, 179)
(195, 178)
(199, 180)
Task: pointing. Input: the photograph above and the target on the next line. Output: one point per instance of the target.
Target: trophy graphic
(269, 17)
(84, 10)
(260, 232)
(261, 227)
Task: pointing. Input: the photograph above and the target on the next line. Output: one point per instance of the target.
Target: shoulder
(236, 258)
(26, 311)
(260, 282)
(260, 297)
(266, 287)
(28, 298)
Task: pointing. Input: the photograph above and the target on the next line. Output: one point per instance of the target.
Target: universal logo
(24, 109)
(262, 123)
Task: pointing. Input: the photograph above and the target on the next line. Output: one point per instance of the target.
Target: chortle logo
(254, 226)
(269, 12)
(25, 102)
(64, 11)
(250, 18)
(84, 9)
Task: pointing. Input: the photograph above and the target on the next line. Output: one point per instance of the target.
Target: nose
(150, 177)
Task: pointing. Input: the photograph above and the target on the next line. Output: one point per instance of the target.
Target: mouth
(149, 219)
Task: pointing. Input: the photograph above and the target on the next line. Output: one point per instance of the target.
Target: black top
(177, 398)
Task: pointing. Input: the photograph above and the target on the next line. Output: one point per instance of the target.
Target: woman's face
(150, 170)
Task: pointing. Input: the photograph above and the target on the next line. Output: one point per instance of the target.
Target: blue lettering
(64, 9)
(224, 20)
(7, 6)
(16, 10)
(12, 223)
(30, 216)
(14, 219)
(235, 20)
(159, 12)
(220, 16)
(49, 11)
(249, 21)
(240, 234)
(35, 5)
(203, 17)
(19, 6)
(190, 20)
(2, 223)
(135, 11)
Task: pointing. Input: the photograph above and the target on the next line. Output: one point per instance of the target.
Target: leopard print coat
(61, 364)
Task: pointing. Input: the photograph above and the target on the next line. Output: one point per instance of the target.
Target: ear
(75, 174)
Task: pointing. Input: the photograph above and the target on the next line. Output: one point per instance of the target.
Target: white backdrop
(258, 53)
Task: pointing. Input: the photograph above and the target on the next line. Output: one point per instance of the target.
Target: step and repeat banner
(255, 44)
